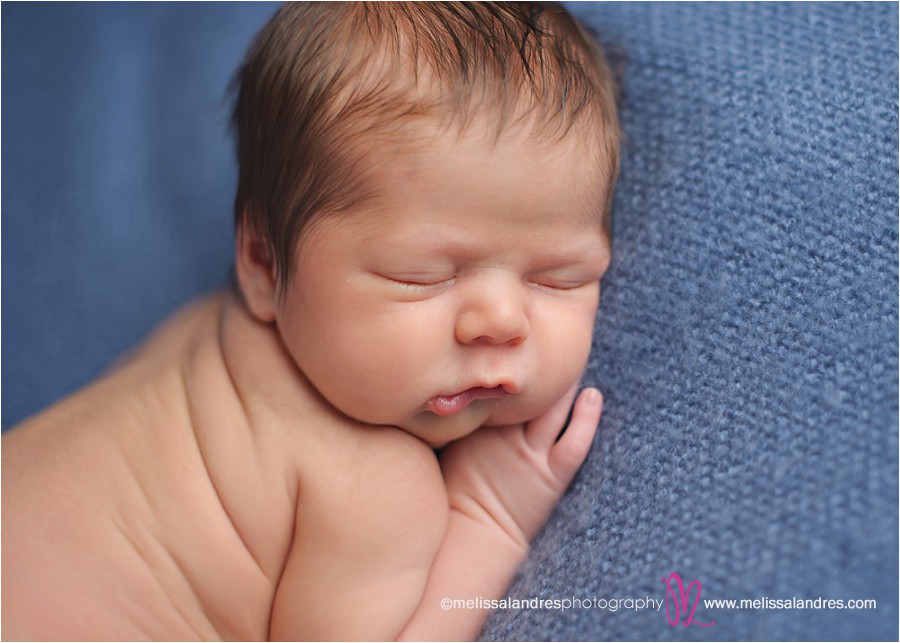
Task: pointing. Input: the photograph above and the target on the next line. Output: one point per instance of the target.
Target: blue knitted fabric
(747, 336)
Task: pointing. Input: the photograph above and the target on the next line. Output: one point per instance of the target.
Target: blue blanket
(747, 335)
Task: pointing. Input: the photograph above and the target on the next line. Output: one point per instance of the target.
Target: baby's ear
(255, 267)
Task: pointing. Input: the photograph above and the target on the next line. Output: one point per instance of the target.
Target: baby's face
(465, 294)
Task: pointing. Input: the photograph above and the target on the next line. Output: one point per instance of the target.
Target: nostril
(494, 341)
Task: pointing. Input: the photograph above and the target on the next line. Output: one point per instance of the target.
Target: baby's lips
(452, 404)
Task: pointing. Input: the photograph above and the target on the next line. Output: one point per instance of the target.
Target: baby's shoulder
(371, 499)
(372, 466)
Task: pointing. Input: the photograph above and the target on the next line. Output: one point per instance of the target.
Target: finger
(569, 453)
(542, 431)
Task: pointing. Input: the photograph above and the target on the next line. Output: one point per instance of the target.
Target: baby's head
(423, 205)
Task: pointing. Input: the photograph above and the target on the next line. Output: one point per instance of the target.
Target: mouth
(452, 404)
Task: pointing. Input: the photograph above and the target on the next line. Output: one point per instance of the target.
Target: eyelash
(443, 283)
(416, 285)
(559, 288)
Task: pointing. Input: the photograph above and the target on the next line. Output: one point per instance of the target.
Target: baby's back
(112, 525)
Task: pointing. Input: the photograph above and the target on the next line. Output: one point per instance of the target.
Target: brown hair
(322, 79)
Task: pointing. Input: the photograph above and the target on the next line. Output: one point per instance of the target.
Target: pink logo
(680, 600)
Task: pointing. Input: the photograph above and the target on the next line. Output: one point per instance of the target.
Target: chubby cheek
(564, 354)
(580, 339)
(367, 360)
(389, 356)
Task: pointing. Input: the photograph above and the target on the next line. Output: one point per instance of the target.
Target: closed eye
(563, 282)
(562, 286)
(418, 282)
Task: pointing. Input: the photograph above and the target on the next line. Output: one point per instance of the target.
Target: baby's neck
(271, 388)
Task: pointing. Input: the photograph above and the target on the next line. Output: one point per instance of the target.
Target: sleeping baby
(372, 420)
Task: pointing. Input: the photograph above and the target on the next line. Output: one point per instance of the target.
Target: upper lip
(508, 387)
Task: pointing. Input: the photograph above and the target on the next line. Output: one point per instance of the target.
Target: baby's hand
(502, 483)
(510, 478)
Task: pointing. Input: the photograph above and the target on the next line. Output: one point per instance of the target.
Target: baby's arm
(364, 542)
(502, 484)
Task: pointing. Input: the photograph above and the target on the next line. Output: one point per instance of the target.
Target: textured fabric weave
(747, 336)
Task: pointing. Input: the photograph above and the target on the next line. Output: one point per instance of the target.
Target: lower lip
(453, 404)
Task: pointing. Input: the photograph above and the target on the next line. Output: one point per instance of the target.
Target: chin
(507, 417)
(444, 439)
(437, 432)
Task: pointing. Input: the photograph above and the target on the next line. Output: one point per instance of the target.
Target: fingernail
(592, 396)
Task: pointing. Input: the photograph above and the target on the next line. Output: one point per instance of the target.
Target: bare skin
(161, 502)
(263, 466)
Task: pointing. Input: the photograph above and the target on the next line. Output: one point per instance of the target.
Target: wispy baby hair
(325, 84)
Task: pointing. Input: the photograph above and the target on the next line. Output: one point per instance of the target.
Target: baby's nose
(494, 312)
